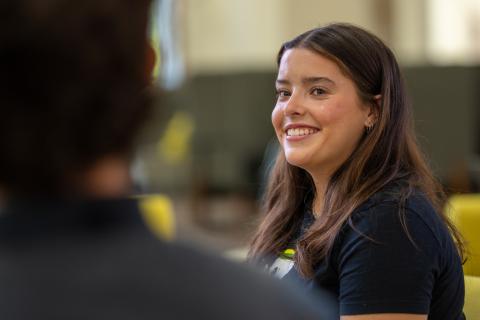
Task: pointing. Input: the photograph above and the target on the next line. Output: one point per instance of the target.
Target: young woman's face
(318, 118)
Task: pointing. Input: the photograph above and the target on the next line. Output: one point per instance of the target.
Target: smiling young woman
(319, 118)
(352, 206)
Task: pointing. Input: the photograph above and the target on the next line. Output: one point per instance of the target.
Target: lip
(298, 125)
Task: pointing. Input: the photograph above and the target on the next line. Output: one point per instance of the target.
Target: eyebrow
(308, 80)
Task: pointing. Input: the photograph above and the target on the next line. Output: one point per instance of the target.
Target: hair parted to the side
(72, 88)
(389, 153)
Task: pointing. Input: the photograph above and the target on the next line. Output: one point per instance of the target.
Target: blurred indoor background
(208, 144)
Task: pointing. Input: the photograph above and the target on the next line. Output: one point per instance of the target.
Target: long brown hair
(387, 154)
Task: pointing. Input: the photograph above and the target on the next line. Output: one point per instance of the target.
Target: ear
(373, 111)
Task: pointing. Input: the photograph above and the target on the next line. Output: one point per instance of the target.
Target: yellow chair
(464, 210)
(472, 297)
(157, 211)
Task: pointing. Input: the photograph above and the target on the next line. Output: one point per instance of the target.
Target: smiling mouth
(298, 132)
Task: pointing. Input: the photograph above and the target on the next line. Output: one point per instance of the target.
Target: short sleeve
(381, 270)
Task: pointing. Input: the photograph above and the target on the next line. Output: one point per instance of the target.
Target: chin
(296, 160)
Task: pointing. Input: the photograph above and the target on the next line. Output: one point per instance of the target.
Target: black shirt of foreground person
(97, 260)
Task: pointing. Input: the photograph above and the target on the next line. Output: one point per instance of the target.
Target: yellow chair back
(472, 297)
(464, 210)
(157, 211)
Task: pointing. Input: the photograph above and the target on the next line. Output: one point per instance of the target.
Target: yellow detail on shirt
(289, 253)
(283, 264)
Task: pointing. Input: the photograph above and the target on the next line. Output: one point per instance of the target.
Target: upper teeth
(300, 131)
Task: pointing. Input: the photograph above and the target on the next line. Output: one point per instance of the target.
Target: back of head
(71, 87)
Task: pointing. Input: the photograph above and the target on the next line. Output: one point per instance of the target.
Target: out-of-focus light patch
(175, 144)
(165, 33)
(155, 42)
(453, 31)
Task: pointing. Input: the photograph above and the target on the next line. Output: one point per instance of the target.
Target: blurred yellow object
(464, 210)
(157, 211)
(472, 297)
(175, 144)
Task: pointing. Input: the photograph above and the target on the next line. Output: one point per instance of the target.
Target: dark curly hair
(72, 87)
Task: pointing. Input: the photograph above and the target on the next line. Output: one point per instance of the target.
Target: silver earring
(369, 128)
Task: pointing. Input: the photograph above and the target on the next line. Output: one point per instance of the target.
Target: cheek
(343, 112)
(330, 114)
(277, 120)
(348, 131)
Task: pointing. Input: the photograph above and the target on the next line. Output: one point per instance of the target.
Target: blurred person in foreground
(352, 206)
(72, 243)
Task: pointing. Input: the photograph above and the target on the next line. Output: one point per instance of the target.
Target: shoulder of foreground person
(96, 269)
(243, 292)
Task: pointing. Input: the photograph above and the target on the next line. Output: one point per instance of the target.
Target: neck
(321, 183)
(107, 178)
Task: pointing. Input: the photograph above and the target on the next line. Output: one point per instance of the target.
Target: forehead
(299, 63)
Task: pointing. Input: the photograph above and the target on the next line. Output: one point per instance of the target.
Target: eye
(281, 93)
(317, 91)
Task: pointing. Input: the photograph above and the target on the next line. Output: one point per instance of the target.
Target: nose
(294, 106)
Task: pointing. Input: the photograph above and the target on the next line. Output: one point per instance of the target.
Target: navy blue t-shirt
(375, 268)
